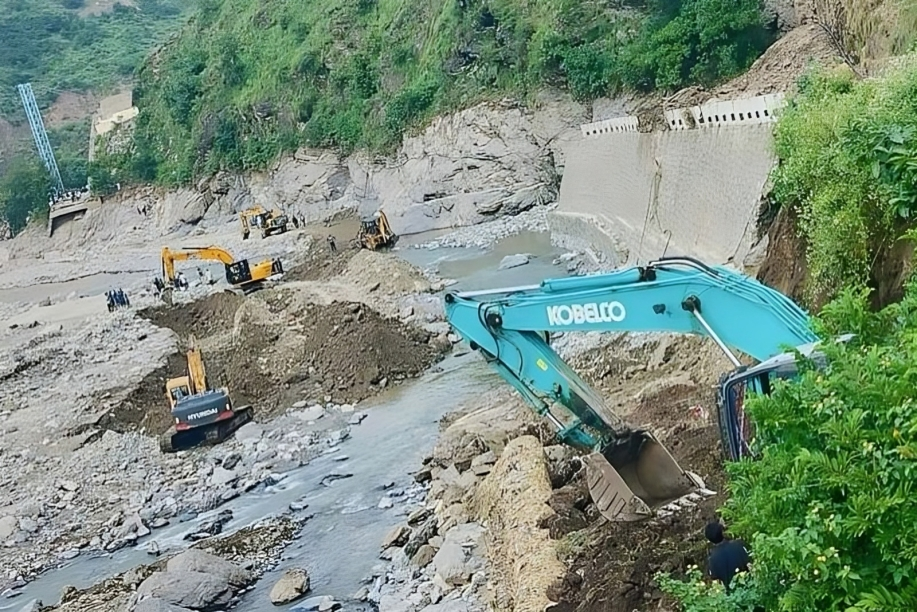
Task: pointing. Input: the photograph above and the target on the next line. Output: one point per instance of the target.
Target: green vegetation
(47, 43)
(848, 164)
(829, 507)
(24, 189)
(249, 79)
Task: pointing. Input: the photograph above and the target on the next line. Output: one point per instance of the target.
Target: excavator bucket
(629, 481)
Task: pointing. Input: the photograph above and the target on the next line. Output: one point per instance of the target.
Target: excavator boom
(238, 273)
(629, 472)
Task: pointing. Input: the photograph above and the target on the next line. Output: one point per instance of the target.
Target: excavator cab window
(179, 393)
(738, 430)
(238, 272)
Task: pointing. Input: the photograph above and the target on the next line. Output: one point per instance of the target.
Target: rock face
(487, 161)
(292, 585)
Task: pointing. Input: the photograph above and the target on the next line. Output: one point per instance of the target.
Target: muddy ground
(667, 385)
(273, 349)
(663, 383)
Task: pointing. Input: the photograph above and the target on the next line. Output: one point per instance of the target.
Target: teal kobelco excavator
(631, 475)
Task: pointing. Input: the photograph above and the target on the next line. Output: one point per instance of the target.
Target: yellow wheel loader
(375, 233)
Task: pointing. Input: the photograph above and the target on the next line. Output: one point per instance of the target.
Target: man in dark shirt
(727, 558)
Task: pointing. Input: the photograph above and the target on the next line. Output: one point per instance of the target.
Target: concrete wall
(631, 196)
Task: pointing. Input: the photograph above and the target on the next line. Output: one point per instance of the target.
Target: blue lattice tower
(41, 137)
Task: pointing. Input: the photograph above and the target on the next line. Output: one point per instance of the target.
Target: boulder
(513, 261)
(191, 589)
(421, 536)
(194, 560)
(460, 555)
(397, 536)
(423, 556)
(8, 526)
(155, 604)
(450, 564)
(292, 585)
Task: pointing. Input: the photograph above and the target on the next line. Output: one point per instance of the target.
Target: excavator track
(174, 441)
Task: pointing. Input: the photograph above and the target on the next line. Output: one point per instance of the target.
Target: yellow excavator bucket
(633, 480)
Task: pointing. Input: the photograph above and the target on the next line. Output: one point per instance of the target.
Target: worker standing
(728, 557)
(331, 244)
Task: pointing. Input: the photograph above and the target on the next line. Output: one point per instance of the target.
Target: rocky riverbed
(82, 405)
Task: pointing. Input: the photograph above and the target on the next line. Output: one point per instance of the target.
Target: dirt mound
(320, 264)
(271, 350)
(201, 318)
(393, 275)
(146, 407)
(665, 384)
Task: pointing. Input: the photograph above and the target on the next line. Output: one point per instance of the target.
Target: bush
(829, 507)
(358, 74)
(848, 163)
(694, 41)
(24, 191)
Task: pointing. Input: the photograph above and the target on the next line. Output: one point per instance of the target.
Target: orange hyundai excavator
(239, 274)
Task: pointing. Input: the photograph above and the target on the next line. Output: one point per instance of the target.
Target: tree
(24, 189)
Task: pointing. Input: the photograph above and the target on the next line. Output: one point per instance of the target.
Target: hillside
(248, 79)
(76, 45)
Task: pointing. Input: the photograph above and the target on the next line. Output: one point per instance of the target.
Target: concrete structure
(112, 112)
(694, 190)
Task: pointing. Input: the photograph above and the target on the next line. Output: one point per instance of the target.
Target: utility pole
(41, 138)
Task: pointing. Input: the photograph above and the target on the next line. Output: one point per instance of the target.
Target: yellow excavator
(268, 221)
(202, 415)
(375, 233)
(239, 274)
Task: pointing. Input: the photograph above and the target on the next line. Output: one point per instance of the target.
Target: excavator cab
(737, 430)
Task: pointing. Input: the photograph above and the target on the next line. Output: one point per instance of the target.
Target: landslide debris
(547, 542)
(272, 350)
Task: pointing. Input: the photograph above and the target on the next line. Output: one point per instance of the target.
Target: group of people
(117, 298)
(71, 195)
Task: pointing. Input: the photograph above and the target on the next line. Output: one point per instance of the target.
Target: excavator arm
(629, 471)
(196, 372)
(210, 253)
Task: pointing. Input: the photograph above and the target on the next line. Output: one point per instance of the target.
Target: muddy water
(88, 286)
(340, 544)
(475, 268)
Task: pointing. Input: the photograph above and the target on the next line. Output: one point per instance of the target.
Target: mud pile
(272, 350)
(541, 503)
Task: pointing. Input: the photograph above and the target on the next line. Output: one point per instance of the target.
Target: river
(340, 544)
